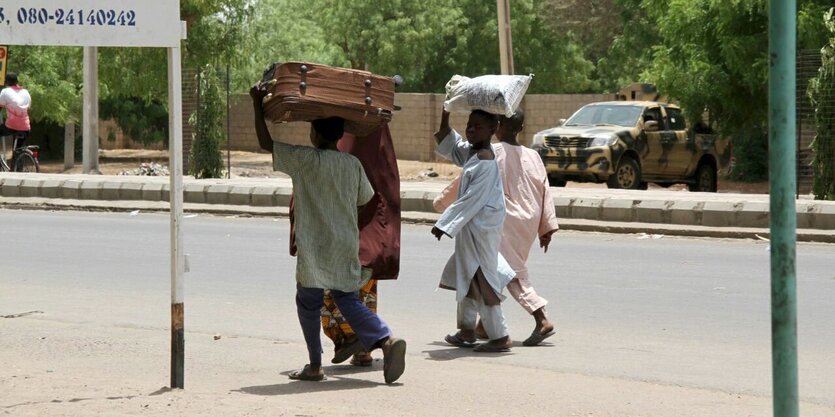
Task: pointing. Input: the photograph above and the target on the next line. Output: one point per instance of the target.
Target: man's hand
(258, 92)
(545, 240)
(265, 140)
(438, 233)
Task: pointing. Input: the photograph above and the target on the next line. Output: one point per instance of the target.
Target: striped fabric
(328, 186)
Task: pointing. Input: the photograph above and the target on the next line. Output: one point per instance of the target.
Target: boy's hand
(438, 233)
(545, 240)
(444, 129)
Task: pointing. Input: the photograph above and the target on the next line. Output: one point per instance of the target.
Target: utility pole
(505, 40)
(90, 144)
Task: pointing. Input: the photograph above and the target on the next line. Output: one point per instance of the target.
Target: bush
(206, 159)
(751, 154)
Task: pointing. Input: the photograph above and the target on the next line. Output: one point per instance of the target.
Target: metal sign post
(123, 23)
(4, 54)
(782, 26)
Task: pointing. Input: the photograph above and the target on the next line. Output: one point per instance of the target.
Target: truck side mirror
(651, 125)
(560, 122)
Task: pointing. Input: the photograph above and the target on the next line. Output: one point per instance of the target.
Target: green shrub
(207, 121)
(750, 149)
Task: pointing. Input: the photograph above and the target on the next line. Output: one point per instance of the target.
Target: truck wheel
(704, 180)
(556, 182)
(626, 176)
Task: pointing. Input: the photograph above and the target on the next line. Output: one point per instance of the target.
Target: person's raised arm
(444, 129)
(265, 140)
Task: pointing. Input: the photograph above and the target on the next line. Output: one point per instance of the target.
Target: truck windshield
(603, 114)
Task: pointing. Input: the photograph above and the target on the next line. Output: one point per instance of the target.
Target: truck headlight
(603, 141)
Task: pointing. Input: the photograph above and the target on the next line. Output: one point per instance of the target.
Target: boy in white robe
(476, 271)
(530, 215)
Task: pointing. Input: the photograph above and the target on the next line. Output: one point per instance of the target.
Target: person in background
(17, 101)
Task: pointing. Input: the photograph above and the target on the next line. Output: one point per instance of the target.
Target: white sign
(152, 23)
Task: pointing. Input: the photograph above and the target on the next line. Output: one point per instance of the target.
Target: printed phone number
(71, 17)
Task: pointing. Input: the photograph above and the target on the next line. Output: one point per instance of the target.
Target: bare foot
(543, 326)
(467, 334)
(308, 373)
(480, 332)
(362, 359)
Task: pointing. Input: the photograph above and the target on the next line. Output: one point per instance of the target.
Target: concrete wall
(413, 126)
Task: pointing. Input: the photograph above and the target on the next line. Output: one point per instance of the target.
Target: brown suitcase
(301, 91)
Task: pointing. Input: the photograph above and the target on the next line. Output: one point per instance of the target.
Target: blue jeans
(369, 328)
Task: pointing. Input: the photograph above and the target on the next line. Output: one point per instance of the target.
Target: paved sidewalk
(590, 209)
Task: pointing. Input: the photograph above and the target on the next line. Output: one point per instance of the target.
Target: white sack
(497, 94)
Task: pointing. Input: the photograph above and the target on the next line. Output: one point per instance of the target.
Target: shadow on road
(456, 352)
(335, 380)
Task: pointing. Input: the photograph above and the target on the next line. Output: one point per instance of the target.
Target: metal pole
(175, 152)
(782, 151)
(505, 41)
(228, 125)
(90, 144)
(69, 145)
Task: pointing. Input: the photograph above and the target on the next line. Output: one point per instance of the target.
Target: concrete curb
(651, 209)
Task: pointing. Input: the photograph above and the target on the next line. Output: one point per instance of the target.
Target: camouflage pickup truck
(627, 144)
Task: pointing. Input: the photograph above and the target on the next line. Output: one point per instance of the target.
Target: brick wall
(412, 127)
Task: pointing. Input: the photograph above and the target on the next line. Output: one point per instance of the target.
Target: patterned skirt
(334, 324)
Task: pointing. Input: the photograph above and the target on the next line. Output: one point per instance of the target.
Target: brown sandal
(348, 349)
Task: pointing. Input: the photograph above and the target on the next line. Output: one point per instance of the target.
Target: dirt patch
(243, 164)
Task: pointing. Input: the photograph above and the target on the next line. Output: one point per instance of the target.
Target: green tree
(631, 49)
(206, 161)
(595, 23)
(282, 31)
(710, 56)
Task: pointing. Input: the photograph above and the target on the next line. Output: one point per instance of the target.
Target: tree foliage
(822, 94)
(710, 56)
(426, 42)
(206, 161)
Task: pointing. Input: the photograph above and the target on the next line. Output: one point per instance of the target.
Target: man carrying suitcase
(328, 186)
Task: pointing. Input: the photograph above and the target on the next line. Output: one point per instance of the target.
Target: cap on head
(330, 129)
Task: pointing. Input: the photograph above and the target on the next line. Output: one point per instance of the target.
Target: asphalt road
(673, 311)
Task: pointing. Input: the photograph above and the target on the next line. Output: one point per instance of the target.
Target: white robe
(475, 220)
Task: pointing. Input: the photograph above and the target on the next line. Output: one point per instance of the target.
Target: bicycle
(24, 158)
